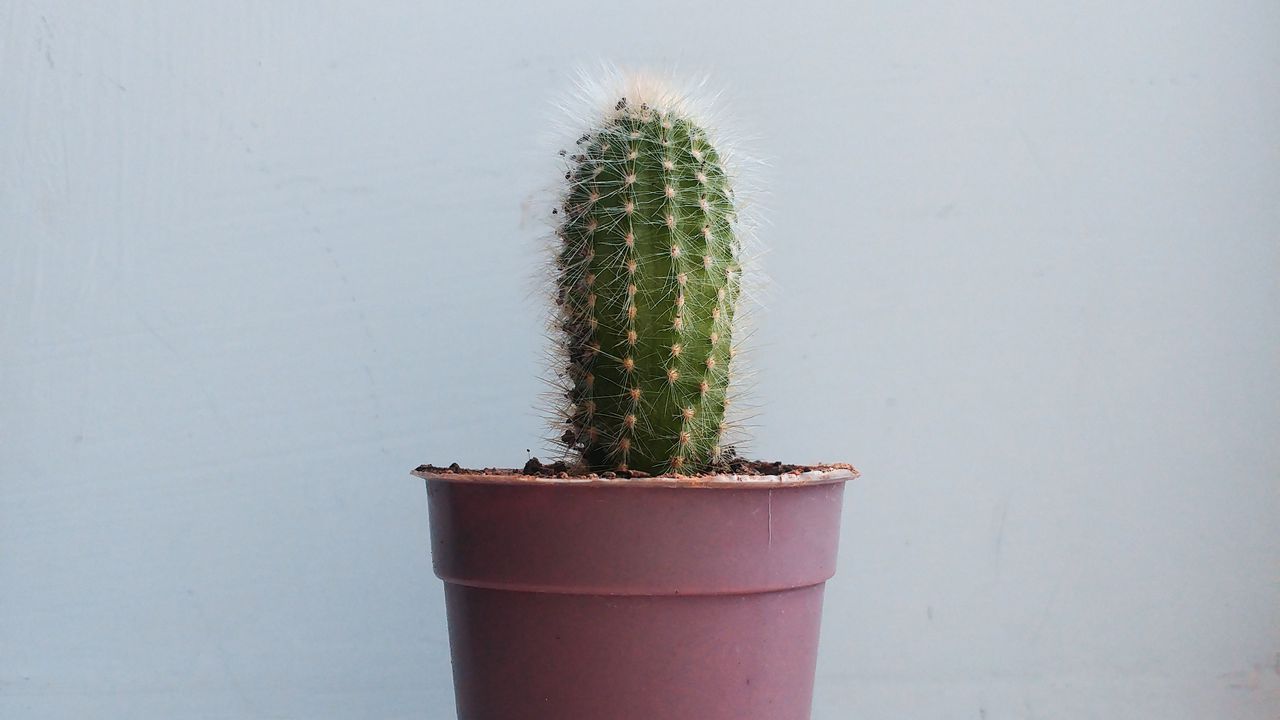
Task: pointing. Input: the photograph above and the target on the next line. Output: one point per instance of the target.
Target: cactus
(648, 272)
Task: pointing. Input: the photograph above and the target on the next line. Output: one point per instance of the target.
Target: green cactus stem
(648, 278)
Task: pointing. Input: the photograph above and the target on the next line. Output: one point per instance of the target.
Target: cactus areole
(648, 273)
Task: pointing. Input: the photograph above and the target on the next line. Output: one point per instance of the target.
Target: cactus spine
(648, 276)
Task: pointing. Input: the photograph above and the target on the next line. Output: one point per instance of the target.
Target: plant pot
(634, 599)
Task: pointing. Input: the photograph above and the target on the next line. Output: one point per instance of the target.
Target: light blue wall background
(257, 260)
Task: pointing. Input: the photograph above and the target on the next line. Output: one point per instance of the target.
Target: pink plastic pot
(649, 599)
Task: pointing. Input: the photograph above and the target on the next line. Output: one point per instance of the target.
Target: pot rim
(820, 475)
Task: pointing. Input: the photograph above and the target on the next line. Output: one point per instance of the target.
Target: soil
(730, 464)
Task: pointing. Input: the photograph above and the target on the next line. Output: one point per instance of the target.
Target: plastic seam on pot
(562, 590)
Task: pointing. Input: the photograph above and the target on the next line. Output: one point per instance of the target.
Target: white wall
(258, 259)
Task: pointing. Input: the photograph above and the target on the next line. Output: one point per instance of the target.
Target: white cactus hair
(592, 102)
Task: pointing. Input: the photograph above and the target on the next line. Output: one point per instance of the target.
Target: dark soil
(730, 464)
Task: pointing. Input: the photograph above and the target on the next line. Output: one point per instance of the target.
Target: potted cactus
(651, 573)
